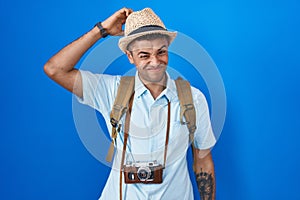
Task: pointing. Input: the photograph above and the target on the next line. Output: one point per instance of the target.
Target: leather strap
(126, 131)
(167, 134)
(126, 134)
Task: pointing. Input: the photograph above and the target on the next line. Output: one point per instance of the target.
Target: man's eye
(162, 52)
(144, 56)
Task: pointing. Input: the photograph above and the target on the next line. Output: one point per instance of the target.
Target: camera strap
(126, 134)
(126, 131)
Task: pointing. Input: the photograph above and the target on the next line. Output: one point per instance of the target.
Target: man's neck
(156, 88)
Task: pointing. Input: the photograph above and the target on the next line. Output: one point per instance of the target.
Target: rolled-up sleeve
(204, 137)
(99, 90)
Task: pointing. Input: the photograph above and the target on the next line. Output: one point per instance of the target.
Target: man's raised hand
(113, 24)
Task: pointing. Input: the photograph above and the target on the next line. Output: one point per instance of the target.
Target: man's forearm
(206, 185)
(205, 174)
(60, 67)
(66, 58)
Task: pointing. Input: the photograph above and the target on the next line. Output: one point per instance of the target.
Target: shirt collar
(170, 92)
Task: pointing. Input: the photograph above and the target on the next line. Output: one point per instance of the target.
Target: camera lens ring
(144, 173)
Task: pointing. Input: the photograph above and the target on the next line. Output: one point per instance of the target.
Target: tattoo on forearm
(205, 182)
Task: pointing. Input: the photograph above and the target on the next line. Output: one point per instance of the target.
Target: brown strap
(167, 134)
(125, 91)
(126, 133)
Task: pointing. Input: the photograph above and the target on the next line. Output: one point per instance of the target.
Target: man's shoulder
(198, 95)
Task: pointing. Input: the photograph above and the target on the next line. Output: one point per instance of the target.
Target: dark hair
(151, 36)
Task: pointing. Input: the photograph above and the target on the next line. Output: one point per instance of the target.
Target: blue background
(255, 45)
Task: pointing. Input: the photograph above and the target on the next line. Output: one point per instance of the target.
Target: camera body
(143, 172)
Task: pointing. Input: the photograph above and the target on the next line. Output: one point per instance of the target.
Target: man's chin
(156, 79)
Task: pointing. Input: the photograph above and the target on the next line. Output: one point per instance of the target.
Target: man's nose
(154, 60)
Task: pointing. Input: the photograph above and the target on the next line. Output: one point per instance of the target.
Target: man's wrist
(102, 30)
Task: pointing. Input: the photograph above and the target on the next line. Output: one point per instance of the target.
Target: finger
(129, 11)
(126, 11)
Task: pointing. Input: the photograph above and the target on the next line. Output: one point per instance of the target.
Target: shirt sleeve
(99, 90)
(204, 137)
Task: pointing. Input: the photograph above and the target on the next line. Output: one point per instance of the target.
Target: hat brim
(124, 41)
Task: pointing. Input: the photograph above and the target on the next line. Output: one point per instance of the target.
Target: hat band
(147, 28)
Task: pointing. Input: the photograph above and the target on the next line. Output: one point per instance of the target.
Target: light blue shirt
(147, 134)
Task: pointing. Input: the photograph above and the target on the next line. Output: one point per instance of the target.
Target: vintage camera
(143, 172)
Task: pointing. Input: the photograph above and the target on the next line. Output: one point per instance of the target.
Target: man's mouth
(154, 68)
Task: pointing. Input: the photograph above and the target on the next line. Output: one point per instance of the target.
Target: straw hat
(141, 23)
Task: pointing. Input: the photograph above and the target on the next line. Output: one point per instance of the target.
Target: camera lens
(144, 173)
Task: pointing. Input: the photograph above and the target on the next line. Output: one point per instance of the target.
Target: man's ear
(129, 56)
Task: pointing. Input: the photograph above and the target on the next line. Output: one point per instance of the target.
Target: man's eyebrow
(145, 52)
(162, 47)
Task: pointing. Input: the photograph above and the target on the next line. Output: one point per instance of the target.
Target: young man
(155, 110)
